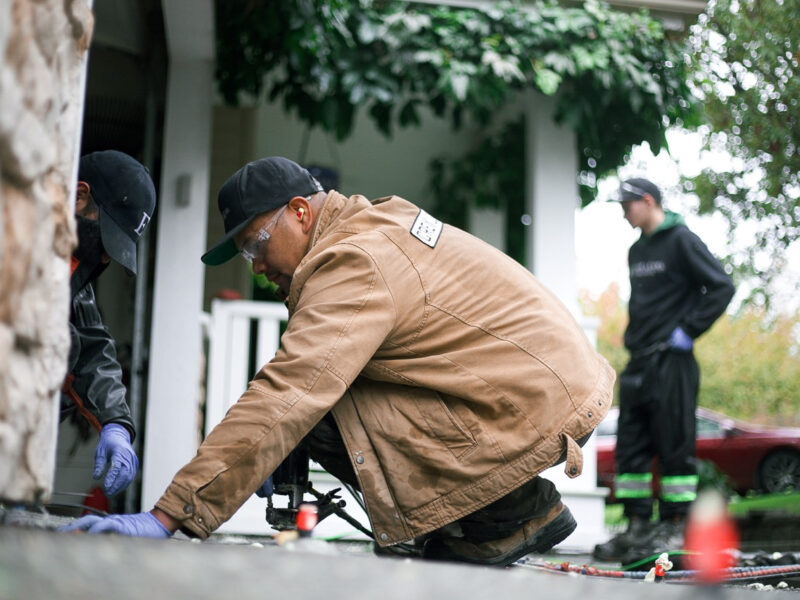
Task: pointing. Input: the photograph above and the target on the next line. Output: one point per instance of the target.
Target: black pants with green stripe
(658, 397)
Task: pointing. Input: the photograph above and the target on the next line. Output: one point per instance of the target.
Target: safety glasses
(252, 247)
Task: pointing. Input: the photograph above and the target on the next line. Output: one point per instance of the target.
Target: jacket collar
(335, 208)
(331, 208)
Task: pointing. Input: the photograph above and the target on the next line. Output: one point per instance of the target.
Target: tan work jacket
(453, 374)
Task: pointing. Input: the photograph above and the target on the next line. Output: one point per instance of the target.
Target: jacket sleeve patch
(427, 229)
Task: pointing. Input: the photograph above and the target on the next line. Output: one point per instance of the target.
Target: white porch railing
(231, 342)
(229, 350)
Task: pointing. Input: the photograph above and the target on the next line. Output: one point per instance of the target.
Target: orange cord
(70, 391)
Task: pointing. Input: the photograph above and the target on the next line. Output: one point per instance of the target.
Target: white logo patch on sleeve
(427, 229)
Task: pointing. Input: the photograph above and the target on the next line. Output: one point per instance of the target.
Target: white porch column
(175, 342)
(551, 193)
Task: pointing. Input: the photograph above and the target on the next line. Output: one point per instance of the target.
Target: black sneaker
(668, 537)
(639, 531)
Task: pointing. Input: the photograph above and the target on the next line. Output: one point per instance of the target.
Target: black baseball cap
(635, 188)
(258, 187)
(126, 197)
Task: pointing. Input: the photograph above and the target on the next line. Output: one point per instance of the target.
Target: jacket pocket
(445, 425)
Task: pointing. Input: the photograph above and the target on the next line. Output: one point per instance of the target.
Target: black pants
(657, 400)
(497, 520)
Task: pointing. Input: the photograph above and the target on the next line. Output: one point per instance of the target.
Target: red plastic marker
(306, 519)
(712, 536)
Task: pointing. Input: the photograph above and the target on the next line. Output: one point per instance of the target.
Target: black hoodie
(675, 281)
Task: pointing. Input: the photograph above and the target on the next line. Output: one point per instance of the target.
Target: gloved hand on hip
(143, 524)
(266, 490)
(680, 340)
(115, 446)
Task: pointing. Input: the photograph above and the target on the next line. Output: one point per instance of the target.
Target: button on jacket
(453, 374)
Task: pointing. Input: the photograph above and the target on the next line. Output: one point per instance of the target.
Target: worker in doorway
(678, 290)
(419, 364)
(115, 199)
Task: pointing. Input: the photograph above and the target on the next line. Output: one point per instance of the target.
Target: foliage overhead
(617, 79)
(747, 54)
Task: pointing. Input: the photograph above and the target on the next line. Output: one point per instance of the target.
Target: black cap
(123, 191)
(258, 187)
(635, 188)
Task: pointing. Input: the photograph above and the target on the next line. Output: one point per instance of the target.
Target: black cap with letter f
(126, 198)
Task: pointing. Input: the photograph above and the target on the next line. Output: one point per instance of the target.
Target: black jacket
(675, 281)
(93, 362)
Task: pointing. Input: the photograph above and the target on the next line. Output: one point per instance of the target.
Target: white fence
(230, 346)
(236, 329)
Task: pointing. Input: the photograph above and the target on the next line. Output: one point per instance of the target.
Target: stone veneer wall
(44, 47)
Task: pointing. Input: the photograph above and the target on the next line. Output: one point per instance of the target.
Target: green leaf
(561, 63)
(408, 114)
(368, 31)
(547, 81)
(382, 115)
(434, 57)
(459, 83)
(583, 58)
(507, 69)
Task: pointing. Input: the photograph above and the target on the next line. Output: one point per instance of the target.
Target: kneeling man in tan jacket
(421, 365)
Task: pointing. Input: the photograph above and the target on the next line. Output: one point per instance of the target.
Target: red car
(751, 456)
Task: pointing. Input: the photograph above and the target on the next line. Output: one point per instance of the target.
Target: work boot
(638, 532)
(668, 537)
(537, 535)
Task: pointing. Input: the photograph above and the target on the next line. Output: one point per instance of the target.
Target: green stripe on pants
(633, 485)
(679, 488)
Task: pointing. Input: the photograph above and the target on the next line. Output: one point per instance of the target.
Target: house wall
(368, 163)
(232, 146)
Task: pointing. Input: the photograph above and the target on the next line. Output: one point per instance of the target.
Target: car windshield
(707, 427)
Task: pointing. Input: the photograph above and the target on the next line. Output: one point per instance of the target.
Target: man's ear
(300, 209)
(82, 197)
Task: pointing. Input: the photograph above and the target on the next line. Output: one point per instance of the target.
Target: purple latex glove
(680, 340)
(142, 524)
(115, 446)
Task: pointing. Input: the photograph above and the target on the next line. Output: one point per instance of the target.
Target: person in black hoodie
(678, 290)
(115, 199)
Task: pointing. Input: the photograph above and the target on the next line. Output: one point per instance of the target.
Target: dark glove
(680, 340)
(142, 524)
(266, 490)
(115, 446)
